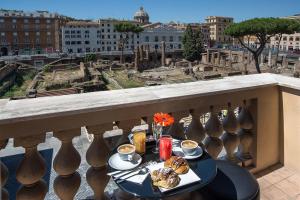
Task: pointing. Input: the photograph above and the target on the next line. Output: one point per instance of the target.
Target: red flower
(163, 119)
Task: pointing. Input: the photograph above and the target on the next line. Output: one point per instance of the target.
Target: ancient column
(147, 52)
(163, 53)
(141, 53)
(261, 59)
(218, 58)
(136, 59)
(270, 58)
(285, 62)
(207, 57)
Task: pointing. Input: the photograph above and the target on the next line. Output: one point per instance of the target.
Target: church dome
(141, 16)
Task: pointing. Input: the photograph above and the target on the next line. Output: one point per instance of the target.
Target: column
(163, 55)
(3, 174)
(136, 59)
(270, 59)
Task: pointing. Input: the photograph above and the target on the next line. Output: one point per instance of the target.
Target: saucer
(117, 163)
(178, 152)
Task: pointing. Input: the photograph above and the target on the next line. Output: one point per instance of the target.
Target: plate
(185, 179)
(178, 152)
(117, 163)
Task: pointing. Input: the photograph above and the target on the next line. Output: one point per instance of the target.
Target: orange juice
(139, 141)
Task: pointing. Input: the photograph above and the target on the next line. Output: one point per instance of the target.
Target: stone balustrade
(245, 121)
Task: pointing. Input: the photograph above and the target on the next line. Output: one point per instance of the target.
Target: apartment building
(29, 32)
(217, 25)
(80, 36)
(288, 42)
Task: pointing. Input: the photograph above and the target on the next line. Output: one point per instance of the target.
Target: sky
(161, 10)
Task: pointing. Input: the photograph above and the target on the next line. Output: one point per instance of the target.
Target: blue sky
(161, 10)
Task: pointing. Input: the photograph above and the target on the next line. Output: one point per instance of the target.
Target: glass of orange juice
(139, 141)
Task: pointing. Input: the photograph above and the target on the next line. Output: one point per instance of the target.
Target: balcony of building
(265, 141)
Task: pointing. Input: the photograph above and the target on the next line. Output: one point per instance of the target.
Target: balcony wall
(266, 131)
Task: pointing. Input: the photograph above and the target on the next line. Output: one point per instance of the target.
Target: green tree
(126, 28)
(192, 44)
(90, 57)
(262, 28)
(285, 26)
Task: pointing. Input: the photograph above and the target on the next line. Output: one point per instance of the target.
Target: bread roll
(165, 178)
(178, 164)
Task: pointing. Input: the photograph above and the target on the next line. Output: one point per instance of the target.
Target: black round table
(204, 166)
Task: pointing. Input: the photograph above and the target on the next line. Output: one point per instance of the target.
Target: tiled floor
(279, 183)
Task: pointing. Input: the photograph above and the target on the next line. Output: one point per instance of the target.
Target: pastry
(178, 164)
(165, 178)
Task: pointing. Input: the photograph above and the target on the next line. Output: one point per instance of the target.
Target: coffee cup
(126, 152)
(189, 147)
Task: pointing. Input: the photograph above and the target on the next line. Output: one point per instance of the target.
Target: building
(217, 25)
(288, 42)
(29, 32)
(105, 39)
(81, 36)
(141, 16)
(154, 34)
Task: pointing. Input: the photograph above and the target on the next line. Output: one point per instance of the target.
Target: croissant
(178, 164)
(165, 178)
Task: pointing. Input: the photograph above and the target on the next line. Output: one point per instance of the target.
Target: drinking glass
(139, 141)
(165, 147)
(157, 131)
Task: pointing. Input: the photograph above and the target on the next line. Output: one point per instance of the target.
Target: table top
(204, 166)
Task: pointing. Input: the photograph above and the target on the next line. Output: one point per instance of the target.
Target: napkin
(139, 179)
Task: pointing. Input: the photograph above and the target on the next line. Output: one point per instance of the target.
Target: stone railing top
(38, 108)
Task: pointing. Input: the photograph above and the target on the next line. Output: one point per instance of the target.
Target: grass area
(123, 80)
(21, 84)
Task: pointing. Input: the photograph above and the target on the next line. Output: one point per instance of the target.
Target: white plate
(185, 179)
(117, 163)
(178, 152)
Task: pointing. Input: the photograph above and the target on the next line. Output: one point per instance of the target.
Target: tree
(262, 28)
(192, 44)
(126, 28)
(285, 26)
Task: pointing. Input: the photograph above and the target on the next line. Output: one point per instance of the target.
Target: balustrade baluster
(214, 130)
(195, 130)
(3, 174)
(31, 170)
(65, 164)
(96, 156)
(230, 138)
(245, 134)
(176, 129)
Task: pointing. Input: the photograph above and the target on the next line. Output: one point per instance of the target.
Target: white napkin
(139, 179)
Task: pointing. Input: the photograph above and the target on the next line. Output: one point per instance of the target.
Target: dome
(141, 16)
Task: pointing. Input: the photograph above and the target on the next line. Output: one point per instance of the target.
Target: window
(1, 20)
(37, 40)
(73, 42)
(87, 42)
(48, 21)
(67, 32)
(25, 21)
(37, 27)
(108, 36)
(79, 50)
(88, 49)
(156, 46)
(78, 36)
(163, 38)
(49, 40)
(114, 36)
(15, 34)
(147, 39)
(37, 33)
(297, 39)
(171, 39)
(291, 38)
(103, 36)
(180, 38)
(14, 26)
(37, 21)
(26, 34)
(171, 46)
(67, 36)
(108, 30)
(284, 38)
(48, 33)
(156, 39)
(87, 31)
(14, 20)
(73, 32)
(2, 34)
(78, 42)
(67, 42)
(179, 46)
